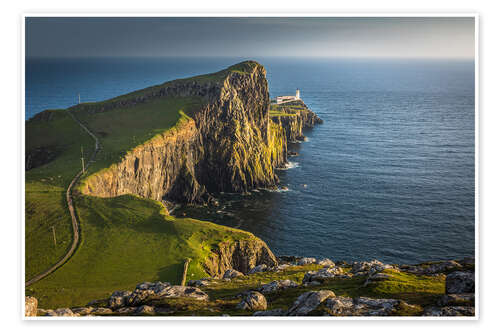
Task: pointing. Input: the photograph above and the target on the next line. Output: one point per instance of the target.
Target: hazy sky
(247, 37)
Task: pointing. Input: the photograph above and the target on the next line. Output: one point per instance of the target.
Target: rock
(119, 299)
(376, 277)
(258, 269)
(63, 312)
(101, 311)
(369, 267)
(127, 310)
(253, 301)
(340, 306)
(140, 296)
(467, 261)
(183, 291)
(322, 275)
(270, 313)
(326, 262)
(145, 310)
(306, 261)
(231, 274)
(280, 268)
(30, 306)
(457, 299)
(83, 311)
(432, 268)
(277, 285)
(362, 306)
(449, 311)
(309, 301)
(460, 283)
(199, 283)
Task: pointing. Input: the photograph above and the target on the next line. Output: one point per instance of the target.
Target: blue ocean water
(389, 175)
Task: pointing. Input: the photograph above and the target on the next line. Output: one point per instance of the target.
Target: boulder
(83, 311)
(277, 285)
(323, 274)
(145, 310)
(63, 312)
(270, 313)
(231, 274)
(306, 261)
(258, 269)
(449, 311)
(139, 297)
(183, 292)
(376, 277)
(432, 268)
(309, 301)
(30, 306)
(199, 283)
(253, 301)
(101, 311)
(457, 299)
(118, 299)
(460, 283)
(126, 310)
(369, 267)
(326, 262)
(362, 306)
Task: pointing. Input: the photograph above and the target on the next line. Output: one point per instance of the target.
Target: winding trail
(74, 220)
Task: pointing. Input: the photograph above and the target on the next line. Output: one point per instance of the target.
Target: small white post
(78, 98)
(83, 163)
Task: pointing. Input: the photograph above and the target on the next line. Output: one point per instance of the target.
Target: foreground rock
(253, 301)
(275, 286)
(30, 306)
(457, 299)
(432, 268)
(460, 282)
(369, 267)
(323, 275)
(364, 306)
(308, 302)
(231, 274)
(449, 311)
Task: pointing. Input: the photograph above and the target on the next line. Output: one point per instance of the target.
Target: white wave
(290, 165)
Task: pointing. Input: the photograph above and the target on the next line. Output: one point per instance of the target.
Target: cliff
(293, 117)
(242, 255)
(227, 144)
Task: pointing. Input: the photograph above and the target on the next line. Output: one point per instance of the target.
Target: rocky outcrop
(253, 301)
(308, 302)
(241, 255)
(460, 282)
(294, 117)
(228, 145)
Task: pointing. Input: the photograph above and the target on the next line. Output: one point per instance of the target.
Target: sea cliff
(230, 143)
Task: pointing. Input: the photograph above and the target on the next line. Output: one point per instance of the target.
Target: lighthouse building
(285, 99)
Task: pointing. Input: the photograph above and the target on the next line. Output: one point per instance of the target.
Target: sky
(346, 37)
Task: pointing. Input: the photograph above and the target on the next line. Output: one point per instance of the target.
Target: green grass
(127, 240)
(285, 110)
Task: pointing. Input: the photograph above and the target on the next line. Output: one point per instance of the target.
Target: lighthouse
(297, 94)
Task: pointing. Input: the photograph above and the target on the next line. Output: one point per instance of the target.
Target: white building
(285, 99)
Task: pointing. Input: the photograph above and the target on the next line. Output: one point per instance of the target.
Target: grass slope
(126, 240)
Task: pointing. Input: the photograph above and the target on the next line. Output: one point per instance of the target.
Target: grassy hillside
(125, 240)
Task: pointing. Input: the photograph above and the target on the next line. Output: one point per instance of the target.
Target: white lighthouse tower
(297, 94)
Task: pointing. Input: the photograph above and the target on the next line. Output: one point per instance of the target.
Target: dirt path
(74, 220)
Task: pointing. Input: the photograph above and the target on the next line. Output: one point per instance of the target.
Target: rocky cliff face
(229, 145)
(242, 255)
(293, 117)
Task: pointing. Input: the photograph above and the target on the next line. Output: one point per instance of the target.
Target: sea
(389, 175)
